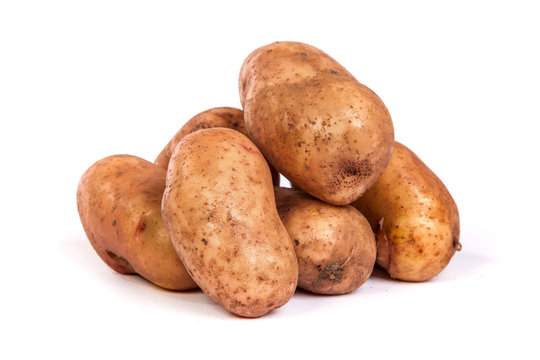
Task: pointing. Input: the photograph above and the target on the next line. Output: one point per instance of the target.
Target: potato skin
(414, 216)
(335, 245)
(220, 211)
(313, 121)
(119, 203)
(227, 117)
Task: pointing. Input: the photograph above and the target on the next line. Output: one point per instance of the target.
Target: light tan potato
(334, 245)
(313, 121)
(226, 117)
(414, 216)
(119, 203)
(220, 211)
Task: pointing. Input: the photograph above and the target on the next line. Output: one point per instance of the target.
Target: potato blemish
(384, 251)
(140, 227)
(352, 173)
(332, 272)
(247, 148)
(120, 261)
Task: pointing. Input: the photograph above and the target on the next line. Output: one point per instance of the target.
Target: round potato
(414, 216)
(313, 121)
(334, 245)
(220, 211)
(119, 203)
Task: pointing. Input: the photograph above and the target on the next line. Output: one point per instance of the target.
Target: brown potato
(313, 121)
(226, 117)
(220, 211)
(119, 203)
(414, 216)
(334, 245)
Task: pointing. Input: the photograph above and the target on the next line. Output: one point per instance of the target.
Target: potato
(220, 211)
(313, 121)
(334, 245)
(226, 117)
(414, 216)
(119, 203)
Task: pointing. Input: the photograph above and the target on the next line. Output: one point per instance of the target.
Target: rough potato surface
(335, 245)
(414, 216)
(314, 122)
(220, 211)
(119, 203)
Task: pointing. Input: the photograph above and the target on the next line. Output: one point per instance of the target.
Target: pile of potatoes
(209, 211)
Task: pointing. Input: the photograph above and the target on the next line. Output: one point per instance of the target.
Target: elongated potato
(313, 121)
(220, 211)
(119, 203)
(334, 245)
(414, 216)
(226, 117)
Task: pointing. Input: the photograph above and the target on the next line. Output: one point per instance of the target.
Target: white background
(81, 80)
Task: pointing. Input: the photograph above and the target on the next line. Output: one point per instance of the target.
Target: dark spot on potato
(303, 54)
(114, 223)
(120, 173)
(205, 242)
(332, 272)
(123, 263)
(351, 173)
(296, 242)
(247, 148)
(140, 227)
(334, 72)
(260, 278)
